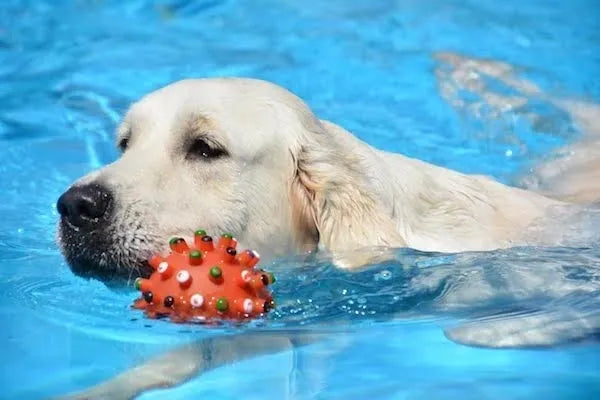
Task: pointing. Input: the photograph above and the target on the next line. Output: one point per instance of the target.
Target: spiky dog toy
(205, 282)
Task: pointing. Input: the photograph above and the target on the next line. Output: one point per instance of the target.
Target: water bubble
(385, 275)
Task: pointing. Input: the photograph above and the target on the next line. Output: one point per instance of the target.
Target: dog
(249, 157)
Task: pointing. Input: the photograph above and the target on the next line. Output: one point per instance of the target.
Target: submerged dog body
(249, 157)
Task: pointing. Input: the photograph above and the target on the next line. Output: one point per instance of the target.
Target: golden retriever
(249, 157)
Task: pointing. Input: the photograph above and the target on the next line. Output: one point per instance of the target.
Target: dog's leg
(537, 329)
(175, 367)
(573, 173)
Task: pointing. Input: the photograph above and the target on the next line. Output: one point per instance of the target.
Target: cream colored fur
(292, 183)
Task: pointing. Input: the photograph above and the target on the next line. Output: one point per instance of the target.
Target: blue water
(68, 69)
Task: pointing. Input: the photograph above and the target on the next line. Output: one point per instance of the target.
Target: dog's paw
(539, 329)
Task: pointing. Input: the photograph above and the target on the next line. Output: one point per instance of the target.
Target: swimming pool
(69, 68)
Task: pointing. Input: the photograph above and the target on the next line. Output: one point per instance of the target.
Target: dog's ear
(304, 221)
(336, 197)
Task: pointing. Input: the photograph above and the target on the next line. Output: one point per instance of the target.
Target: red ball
(205, 281)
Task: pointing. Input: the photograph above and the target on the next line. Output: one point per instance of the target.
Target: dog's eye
(123, 143)
(200, 148)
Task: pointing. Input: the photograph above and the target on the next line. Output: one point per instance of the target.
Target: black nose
(84, 206)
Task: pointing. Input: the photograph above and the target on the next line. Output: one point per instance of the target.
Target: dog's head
(226, 155)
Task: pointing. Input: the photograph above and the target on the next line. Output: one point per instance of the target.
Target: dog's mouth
(107, 254)
(118, 273)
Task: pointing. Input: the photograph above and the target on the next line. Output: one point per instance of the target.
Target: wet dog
(248, 157)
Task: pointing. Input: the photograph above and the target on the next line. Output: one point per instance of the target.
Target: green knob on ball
(216, 272)
(222, 304)
(195, 254)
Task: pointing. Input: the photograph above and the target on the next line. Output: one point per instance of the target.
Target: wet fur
(294, 183)
(290, 183)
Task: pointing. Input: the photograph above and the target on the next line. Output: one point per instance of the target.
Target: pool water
(68, 69)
